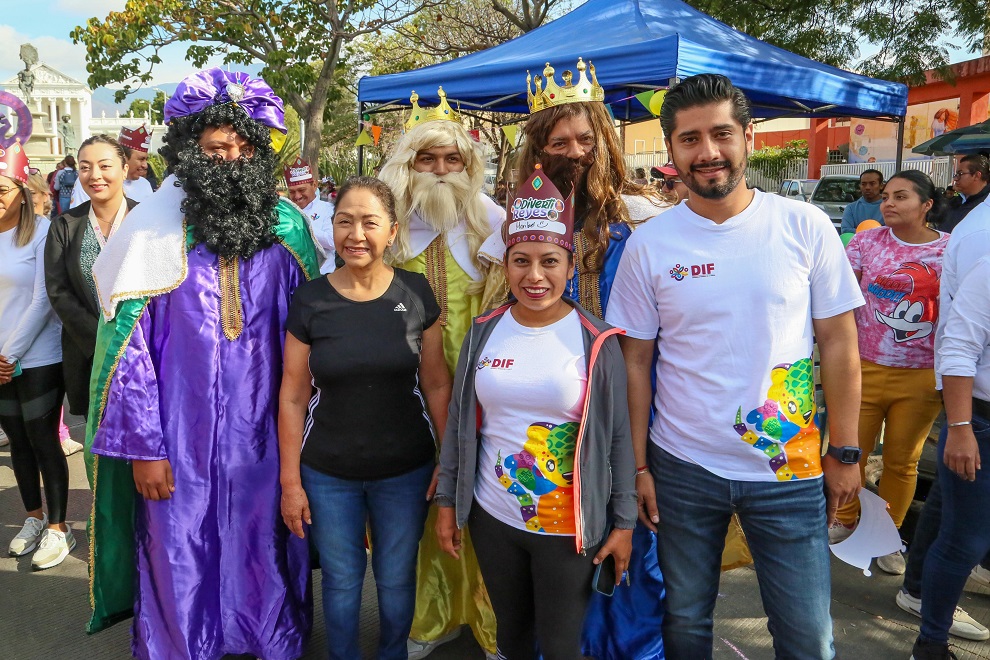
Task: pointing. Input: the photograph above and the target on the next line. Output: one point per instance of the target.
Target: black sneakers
(924, 650)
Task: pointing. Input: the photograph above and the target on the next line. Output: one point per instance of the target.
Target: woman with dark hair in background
(31, 387)
(898, 266)
(75, 240)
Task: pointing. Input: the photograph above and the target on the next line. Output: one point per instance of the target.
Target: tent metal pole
(898, 162)
(360, 155)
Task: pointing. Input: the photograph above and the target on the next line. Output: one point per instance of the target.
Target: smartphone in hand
(604, 579)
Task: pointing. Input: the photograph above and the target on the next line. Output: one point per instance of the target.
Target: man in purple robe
(182, 439)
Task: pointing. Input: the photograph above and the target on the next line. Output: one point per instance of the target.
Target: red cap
(138, 139)
(668, 170)
(14, 163)
(299, 173)
(540, 213)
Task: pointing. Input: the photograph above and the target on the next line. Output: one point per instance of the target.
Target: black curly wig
(230, 205)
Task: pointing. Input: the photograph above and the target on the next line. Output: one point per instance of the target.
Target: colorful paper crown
(138, 138)
(541, 214)
(583, 91)
(14, 163)
(442, 112)
(299, 173)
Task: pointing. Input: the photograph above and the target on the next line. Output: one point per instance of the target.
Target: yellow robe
(450, 592)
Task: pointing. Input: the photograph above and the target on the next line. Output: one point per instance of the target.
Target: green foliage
(772, 161)
(157, 165)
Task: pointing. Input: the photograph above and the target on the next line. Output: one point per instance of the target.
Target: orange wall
(836, 135)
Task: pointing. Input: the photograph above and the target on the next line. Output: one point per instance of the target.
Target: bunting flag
(475, 134)
(608, 109)
(376, 133)
(364, 138)
(656, 102)
(511, 133)
(644, 98)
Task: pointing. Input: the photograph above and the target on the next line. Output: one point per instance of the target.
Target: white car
(797, 188)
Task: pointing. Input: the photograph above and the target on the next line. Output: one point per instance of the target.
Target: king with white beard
(436, 173)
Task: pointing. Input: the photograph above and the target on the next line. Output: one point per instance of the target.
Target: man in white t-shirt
(734, 286)
(303, 189)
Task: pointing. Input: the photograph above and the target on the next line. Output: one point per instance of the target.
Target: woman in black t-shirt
(364, 387)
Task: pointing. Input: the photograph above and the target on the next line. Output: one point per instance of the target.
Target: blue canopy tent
(638, 45)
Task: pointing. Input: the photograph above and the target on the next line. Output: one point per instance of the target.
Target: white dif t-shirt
(731, 306)
(530, 384)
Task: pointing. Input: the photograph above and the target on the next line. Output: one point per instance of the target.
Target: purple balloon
(201, 90)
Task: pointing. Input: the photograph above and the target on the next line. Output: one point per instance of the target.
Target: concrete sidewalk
(42, 615)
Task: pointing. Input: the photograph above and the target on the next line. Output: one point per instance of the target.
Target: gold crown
(418, 115)
(583, 91)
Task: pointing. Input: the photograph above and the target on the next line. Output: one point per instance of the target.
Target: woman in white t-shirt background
(31, 387)
(898, 266)
(554, 467)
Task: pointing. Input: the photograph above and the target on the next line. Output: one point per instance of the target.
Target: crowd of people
(538, 421)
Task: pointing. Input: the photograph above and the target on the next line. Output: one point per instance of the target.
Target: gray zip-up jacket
(604, 469)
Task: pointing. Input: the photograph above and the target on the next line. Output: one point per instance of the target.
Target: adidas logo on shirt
(399, 308)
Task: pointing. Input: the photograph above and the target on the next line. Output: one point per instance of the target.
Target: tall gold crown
(553, 94)
(418, 115)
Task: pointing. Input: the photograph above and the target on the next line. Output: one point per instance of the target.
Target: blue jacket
(858, 211)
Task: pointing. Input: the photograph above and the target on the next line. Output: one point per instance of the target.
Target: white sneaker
(874, 470)
(4, 440)
(892, 563)
(418, 649)
(963, 625)
(27, 539)
(53, 548)
(70, 446)
(839, 532)
(980, 575)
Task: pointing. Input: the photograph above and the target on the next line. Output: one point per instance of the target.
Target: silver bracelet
(959, 424)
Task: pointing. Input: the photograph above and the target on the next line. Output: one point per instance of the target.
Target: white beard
(439, 200)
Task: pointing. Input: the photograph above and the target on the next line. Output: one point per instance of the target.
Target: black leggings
(30, 409)
(539, 587)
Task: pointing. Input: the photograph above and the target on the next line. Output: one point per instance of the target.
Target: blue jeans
(963, 538)
(785, 526)
(396, 510)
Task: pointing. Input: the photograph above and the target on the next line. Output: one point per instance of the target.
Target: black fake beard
(229, 204)
(570, 174)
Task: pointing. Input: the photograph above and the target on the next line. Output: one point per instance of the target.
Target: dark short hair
(70, 161)
(703, 89)
(103, 138)
(979, 163)
(377, 187)
(871, 171)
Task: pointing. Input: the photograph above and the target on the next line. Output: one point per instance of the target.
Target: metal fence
(939, 169)
(756, 176)
(646, 161)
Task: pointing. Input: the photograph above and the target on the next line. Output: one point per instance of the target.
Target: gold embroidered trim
(436, 273)
(96, 457)
(231, 316)
(589, 284)
(130, 295)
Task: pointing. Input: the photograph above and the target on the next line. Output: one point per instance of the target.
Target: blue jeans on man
(963, 537)
(784, 523)
(395, 508)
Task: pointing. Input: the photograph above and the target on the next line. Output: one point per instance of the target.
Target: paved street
(43, 614)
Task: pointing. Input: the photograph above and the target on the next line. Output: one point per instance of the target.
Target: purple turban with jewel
(200, 90)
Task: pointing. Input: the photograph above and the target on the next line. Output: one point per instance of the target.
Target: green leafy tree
(297, 42)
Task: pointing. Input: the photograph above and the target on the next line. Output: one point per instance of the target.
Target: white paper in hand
(874, 536)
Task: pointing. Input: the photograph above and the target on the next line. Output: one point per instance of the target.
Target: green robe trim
(111, 521)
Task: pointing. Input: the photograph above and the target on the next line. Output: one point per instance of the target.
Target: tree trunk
(314, 129)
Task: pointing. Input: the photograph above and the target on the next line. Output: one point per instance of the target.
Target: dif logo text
(679, 272)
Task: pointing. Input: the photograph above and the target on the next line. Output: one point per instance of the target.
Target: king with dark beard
(182, 445)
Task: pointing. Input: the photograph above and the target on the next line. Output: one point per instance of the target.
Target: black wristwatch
(847, 455)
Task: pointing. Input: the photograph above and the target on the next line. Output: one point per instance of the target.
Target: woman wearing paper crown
(571, 134)
(301, 181)
(194, 291)
(537, 459)
(436, 173)
(31, 387)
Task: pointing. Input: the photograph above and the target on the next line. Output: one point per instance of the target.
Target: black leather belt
(981, 408)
